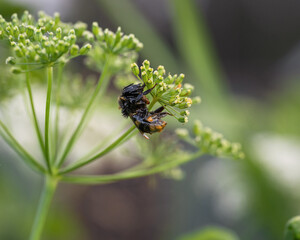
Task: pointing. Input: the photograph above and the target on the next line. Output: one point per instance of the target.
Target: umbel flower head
(43, 41)
(168, 90)
(117, 45)
(211, 142)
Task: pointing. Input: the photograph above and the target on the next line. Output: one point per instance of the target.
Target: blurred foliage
(8, 8)
(284, 114)
(210, 233)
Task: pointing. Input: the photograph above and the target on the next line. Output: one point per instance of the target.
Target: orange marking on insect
(137, 123)
(152, 128)
(149, 119)
(146, 100)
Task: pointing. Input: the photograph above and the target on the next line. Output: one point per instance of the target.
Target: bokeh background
(244, 59)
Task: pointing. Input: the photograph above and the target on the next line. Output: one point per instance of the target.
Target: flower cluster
(167, 90)
(115, 43)
(43, 41)
(122, 48)
(211, 142)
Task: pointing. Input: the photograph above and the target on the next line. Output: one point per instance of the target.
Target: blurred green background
(244, 59)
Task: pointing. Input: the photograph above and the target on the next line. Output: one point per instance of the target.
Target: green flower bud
(144, 76)
(14, 18)
(118, 36)
(56, 18)
(124, 41)
(18, 51)
(85, 49)
(161, 70)
(80, 27)
(135, 69)
(146, 64)
(95, 28)
(22, 38)
(10, 60)
(179, 79)
(61, 46)
(49, 25)
(130, 43)
(16, 70)
(88, 36)
(74, 50)
(58, 33)
(38, 35)
(183, 119)
(169, 79)
(72, 39)
(188, 102)
(16, 31)
(139, 46)
(149, 72)
(185, 113)
(185, 92)
(30, 31)
(108, 37)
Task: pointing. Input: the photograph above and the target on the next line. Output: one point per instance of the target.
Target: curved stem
(124, 137)
(83, 162)
(35, 121)
(43, 207)
(47, 116)
(85, 114)
(17, 147)
(130, 174)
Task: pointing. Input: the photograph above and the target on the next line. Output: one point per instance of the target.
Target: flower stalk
(43, 207)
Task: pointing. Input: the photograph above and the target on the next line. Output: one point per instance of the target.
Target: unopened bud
(183, 119)
(135, 69)
(16, 70)
(85, 49)
(74, 50)
(146, 64)
(10, 60)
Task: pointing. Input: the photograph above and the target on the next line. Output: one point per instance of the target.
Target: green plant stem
(83, 162)
(123, 138)
(56, 126)
(130, 174)
(43, 207)
(35, 121)
(74, 136)
(16, 146)
(47, 116)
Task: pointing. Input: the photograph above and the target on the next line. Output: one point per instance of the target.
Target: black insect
(133, 103)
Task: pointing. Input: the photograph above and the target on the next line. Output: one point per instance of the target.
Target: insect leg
(149, 90)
